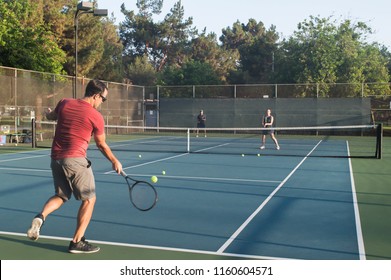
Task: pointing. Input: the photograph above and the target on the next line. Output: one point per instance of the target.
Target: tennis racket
(142, 194)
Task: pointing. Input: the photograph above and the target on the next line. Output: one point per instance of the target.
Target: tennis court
(215, 202)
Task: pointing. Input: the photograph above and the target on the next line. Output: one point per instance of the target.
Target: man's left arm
(100, 141)
(51, 115)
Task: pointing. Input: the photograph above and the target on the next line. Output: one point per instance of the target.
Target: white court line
(209, 178)
(205, 149)
(140, 141)
(360, 240)
(251, 217)
(67, 239)
(223, 179)
(164, 159)
(149, 162)
(22, 158)
(25, 169)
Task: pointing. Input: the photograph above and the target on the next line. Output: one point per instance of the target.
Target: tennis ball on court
(242, 155)
(139, 156)
(164, 172)
(154, 179)
(259, 155)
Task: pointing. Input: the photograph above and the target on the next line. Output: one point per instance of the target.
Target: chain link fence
(25, 95)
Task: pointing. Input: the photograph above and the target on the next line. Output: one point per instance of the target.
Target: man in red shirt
(77, 121)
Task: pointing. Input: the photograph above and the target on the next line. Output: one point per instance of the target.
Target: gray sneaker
(36, 224)
(82, 247)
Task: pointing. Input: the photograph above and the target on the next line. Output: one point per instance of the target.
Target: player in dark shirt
(201, 120)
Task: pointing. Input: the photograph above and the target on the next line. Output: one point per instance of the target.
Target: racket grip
(123, 173)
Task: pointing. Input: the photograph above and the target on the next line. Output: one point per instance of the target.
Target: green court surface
(372, 179)
(212, 206)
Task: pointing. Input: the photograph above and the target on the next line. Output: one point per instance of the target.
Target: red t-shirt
(77, 121)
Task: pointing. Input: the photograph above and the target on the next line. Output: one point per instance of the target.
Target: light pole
(83, 8)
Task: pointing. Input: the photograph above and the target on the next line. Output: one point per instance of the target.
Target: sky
(284, 14)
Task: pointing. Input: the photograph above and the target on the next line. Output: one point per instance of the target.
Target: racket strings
(143, 195)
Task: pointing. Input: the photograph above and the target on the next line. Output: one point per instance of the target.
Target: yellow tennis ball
(259, 155)
(154, 179)
(242, 155)
(164, 172)
(139, 156)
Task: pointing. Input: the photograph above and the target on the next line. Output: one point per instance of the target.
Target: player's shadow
(40, 245)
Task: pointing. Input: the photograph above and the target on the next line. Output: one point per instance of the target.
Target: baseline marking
(150, 247)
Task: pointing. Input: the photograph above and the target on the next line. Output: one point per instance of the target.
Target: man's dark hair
(95, 87)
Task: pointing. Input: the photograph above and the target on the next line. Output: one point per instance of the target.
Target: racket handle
(123, 173)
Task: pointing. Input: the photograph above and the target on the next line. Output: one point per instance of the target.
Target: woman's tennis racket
(142, 194)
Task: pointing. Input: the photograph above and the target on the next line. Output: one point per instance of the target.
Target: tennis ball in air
(154, 179)
(242, 155)
(164, 172)
(259, 155)
(139, 156)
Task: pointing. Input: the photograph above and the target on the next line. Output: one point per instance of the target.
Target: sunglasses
(103, 98)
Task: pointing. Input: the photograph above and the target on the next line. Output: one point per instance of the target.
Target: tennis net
(362, 141)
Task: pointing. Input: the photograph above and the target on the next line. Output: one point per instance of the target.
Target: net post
(33, 134)
(188, 140)
(379, 140)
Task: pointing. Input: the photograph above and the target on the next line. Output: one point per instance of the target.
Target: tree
(39, 35)
(142, 72)
(110, 66)
(163, 43)
(99, 48)
(191, 73)
(206, 50)
(323, 52)
(256, 46)
(387, 56)
(25, 40)
(175, 33)
(314, 47)
(138, 32)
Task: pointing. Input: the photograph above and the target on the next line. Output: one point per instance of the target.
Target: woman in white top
(267, 122)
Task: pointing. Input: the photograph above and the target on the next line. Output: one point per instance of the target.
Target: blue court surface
(261, 204)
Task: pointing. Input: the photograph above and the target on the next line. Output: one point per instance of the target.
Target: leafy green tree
(39, 35)
(138, 32)
(109, 65)
(25, 41)
(163, 43)
(99, 47)
(142, 72)
(191, 73)
(315, 49)
(256, 46)
(91, 44)
(176, 33)
(205, 49)
(387, 56)
(323, 52)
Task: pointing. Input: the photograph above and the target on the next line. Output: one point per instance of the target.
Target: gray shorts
(73, 176)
